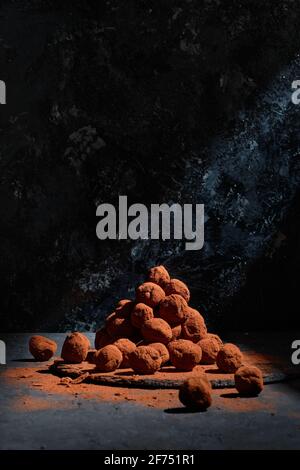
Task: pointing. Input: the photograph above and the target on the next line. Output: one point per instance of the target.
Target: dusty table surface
(75, 420)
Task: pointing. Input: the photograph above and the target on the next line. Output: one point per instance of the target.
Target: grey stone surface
(90, 424)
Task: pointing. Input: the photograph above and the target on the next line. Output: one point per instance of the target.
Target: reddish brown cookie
(163, 351)
(196, 393)
(229, 358)
(210, 348)
(249, 380)
(176, 286)
(150, 294)
(173, 309)
(157, 331)
(194, 328)
(75, 348)
(159, 275)
(126, 347)
(140, 314)
(145, 360)
(42, 348)
(184, 354)
(108, 358)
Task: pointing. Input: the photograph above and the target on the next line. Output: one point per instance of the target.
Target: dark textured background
(164, 101)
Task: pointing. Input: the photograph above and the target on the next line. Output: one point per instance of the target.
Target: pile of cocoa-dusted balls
(156, 329)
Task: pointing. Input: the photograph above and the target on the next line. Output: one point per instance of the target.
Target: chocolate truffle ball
(176, 286)
(90, 358)
(108, 358)
(157, 331)
(75, 348)
(159, 275)
(229, 358)
(173, 309)
(216, 337)
(119, 327)
(184, 354)
(42, 348)
(126, 347)
(102, 338)
(140, 314)
(124, 308)
(194, 328)
(162, 350)
(249, 380)
(210, 348)
(196, 393)
(145, 360)
(85, 338)
(176, 332)
(150, 294)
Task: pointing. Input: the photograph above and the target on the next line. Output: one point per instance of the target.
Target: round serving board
(169, 377)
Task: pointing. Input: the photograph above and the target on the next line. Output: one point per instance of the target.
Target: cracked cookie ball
(249, 380)
(145, 360)
(229, 358)
(162, 350)
(140, 314)
(159, 275)
(75, 348)
(126, 347)
(102, 338)
(173, 309)
(196, 393)
(150, 294)
(176, 286)
(108, 358)
(42, 348)
(157, 330)
(184, 355)
(210, 348)
(194, 328)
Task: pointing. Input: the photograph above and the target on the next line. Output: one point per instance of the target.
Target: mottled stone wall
(164, 101)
